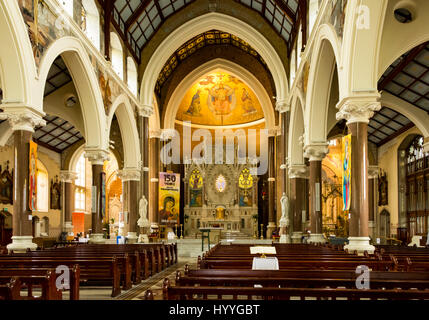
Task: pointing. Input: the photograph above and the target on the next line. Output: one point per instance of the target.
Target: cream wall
(388, 162)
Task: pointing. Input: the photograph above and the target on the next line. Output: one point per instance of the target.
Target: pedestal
(297, 237)
(132, 237)
(316, 238)
(96, 238)
(270, 229)
(360, 244)
(68, 227)
(20, 244)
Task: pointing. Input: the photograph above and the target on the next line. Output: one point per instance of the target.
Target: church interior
(184, 149)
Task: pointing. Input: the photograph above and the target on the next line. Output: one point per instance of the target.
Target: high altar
(221, 195)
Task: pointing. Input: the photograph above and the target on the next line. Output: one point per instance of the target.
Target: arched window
(132, 75)
(79, 197)
(68, 6)
(42, 188)
(91, 22)
(117, 55)
(417, 193)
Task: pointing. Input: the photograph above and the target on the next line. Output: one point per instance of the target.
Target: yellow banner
(346, 158)
(169, 198)
(32, 199)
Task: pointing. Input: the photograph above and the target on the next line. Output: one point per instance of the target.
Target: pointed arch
(207, 22)
(296, 131)
(86, 84)
(128, 127)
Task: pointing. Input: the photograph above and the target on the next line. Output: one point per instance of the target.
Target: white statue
(284, 220)
(143, 222)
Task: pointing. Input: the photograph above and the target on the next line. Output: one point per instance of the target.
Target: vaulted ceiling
(408, 79)
(138, 20)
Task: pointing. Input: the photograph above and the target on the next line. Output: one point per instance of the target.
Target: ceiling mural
(219, 99)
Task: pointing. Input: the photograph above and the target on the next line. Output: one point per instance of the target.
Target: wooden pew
(11, 290)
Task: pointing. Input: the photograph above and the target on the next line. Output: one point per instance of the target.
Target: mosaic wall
(46, 25)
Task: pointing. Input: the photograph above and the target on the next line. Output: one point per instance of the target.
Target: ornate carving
(68, 176)
(145, 111)
(155, 133)
(358, 109)
(96, 156)
(373, 172)
(129, 174)
(298, 171)
(282, 106)
(25, 120)
(316, 152)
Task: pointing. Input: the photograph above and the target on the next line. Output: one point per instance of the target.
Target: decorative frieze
(22, 118)
(129, 174)
(96, 156)
(145, 111)
(316, 152)
(282, 106)
(358, 109)
(298, 171)
(68, 176)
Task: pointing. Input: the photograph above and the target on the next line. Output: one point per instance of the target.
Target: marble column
(357, 111)
(154, 150)
(372, 195)
(68, 178)
(130, 186)
(271, 186)
(316, 153)
(297, 175)
(97, 158)
(22, 123)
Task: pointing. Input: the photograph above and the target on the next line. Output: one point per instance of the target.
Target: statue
(143, 222)
(284, 220)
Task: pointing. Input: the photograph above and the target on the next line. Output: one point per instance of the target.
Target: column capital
(316, 151)
(298, 171)
(129, 174)
(282, 106)
(145, 111)
(155, 133)
(22, 117)
(273, 132)
(96, 156)
(373, 172)
(359, 108)
(68, 176)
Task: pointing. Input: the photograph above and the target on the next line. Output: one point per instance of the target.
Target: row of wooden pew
(119, 266)
(305, 272)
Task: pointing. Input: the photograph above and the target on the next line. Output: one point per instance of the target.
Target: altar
(220, 196)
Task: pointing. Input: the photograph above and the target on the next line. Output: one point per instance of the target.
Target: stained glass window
(220, 183)
(196, 180)
(246, 180)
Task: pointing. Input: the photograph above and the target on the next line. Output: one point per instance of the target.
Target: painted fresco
(337, 17)
(45, 25)
(220, 99)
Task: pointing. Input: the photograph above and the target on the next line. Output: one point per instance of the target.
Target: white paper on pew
(270, 263)
(262, 250)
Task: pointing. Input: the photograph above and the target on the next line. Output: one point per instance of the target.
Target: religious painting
(195, 189)
(32, 200)
(346, 168)
(103, 195)
(382, 190)
(245, 198)
(245, 183)
(169, 198)
(6, 185)
(220, 183)
(55, 194)
(220, 99)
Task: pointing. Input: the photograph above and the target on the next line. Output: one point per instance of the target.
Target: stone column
(316, 153)
(271, 186)
(68, 178)
(372, 190)
(297, 175)
(97, 158)
(22, 121)
(154, 142)
(130, 184)
(357, 111)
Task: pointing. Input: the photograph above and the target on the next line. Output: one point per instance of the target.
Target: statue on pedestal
(284, 220)
(143, 221)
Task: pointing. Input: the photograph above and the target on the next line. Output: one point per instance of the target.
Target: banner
(346, 157)
(32, 199)
(169, 198)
